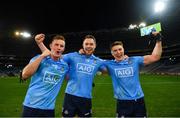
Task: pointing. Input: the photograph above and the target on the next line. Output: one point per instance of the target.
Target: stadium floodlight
(26, 35)
(142, 24)
(159, 6)
(131, 26)
(23, 34)
(17, 33)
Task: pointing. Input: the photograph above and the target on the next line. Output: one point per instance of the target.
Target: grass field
(162, 96)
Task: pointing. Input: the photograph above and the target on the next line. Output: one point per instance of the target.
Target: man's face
(118, 52)
(57, 48)
(89, 46)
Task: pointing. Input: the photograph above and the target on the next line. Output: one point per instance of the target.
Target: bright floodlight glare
(131, 26)
(21, 33)
(17, 33)
(159, 6)
(26, 35)
(142, 24)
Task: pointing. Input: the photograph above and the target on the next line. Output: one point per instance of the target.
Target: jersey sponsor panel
(85, 68)
(124, 72)
(52, 78)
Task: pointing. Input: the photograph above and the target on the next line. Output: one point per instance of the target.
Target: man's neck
(55, 58)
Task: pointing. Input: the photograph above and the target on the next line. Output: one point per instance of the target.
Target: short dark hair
(58, 37)
(116, 43)
(90, 36)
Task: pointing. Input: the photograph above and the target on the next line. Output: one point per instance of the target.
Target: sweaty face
(118, 52)
(57, 48)
(89, 46)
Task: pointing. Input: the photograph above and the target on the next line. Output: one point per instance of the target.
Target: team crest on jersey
(52, 78)
(85, 68)
(46, 64)
(124, 72)
(95, 61)
(62, 69)
(130, 62)
(87, 60)
(54, 66)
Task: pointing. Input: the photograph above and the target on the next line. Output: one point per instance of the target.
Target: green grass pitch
(162, 96)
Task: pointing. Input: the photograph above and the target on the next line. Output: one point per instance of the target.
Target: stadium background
(108, 21)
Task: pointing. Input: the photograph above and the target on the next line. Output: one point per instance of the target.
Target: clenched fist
(39, 38)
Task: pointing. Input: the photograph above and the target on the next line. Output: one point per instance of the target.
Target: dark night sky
(76, 15)
(84, 15)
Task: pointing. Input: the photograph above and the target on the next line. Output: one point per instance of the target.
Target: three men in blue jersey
(125, 79)
(48, 71)
(123, 71)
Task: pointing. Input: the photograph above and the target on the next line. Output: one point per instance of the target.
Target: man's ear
(50, 45)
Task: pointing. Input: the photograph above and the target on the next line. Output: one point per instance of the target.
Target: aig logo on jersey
(52, 78)
(124, 72)
(85, 68)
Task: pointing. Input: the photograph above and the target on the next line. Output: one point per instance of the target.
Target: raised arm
(39, 38)
(156, 54)
(31, 68)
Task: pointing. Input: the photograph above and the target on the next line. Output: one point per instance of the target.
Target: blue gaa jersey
(81, 73)
(125, 78)
(45, 83)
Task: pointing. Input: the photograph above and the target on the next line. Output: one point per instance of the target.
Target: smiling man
(125, 78)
